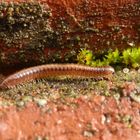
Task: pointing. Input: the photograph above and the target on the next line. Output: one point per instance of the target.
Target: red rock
(71, 25)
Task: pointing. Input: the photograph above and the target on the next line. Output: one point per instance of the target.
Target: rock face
(54, 31)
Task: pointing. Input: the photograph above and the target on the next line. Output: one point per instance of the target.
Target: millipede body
(54, 70)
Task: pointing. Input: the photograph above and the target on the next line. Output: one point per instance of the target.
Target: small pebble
(20, 103)
(125, 70)
(39, 138)
(40, 102)
(88, 133)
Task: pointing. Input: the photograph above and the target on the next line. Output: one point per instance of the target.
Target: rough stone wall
(54, 31)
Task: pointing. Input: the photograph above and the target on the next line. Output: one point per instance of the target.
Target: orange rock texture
(95, 119)
(46, 31)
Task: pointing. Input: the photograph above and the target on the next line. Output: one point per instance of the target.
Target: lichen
(19, 22)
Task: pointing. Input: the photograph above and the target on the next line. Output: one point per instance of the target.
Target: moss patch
(127, 58)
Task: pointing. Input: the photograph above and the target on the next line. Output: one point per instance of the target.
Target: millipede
(54, 70)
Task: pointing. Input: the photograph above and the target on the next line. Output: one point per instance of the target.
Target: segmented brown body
(52, 70)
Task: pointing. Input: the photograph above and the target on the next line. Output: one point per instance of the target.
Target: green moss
(113, 57)
(129, 57)
(85, 57)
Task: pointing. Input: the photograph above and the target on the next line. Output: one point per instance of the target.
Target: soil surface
(73, 109)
